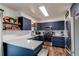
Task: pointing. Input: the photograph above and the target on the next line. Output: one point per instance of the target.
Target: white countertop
(15, 36)
(21, 41)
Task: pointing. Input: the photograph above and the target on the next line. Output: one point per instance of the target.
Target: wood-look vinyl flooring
(55, 51)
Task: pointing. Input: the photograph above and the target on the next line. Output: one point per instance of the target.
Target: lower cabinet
(58, 41)
(12, 50)
(39, 38)
(47, 38)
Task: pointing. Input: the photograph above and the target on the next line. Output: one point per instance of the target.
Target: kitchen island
(15, 45)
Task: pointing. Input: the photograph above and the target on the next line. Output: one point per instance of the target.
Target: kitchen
(36, 35)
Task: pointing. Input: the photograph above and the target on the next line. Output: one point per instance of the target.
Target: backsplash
(61, 33)
(16, 32)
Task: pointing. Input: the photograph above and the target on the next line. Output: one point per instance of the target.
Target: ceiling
(54, 9)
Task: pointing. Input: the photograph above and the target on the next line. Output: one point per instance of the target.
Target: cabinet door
(39, 26)
(40, 38)
(46, 25)
(58, 25)
(58, 41)
(26, 24)
(20, 20)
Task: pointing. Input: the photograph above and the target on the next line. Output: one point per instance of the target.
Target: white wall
(9, 12)
(77, 37)
(14, 13)
(0, 33)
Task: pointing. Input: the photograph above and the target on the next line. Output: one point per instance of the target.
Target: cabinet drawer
(58, 41)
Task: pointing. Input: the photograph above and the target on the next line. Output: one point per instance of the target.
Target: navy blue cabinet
(12, 50)
(46, 25)
(39, 38)
(25, 23)
(39, 26)
(58, 41)
(58, 25)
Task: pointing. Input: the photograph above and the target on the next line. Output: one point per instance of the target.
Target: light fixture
(43, 10)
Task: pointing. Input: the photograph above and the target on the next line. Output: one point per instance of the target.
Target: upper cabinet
(74, 10)
(58, 25)
(39, 26)
(25, 23)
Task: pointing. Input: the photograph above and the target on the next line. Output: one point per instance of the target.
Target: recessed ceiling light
(43, 10)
